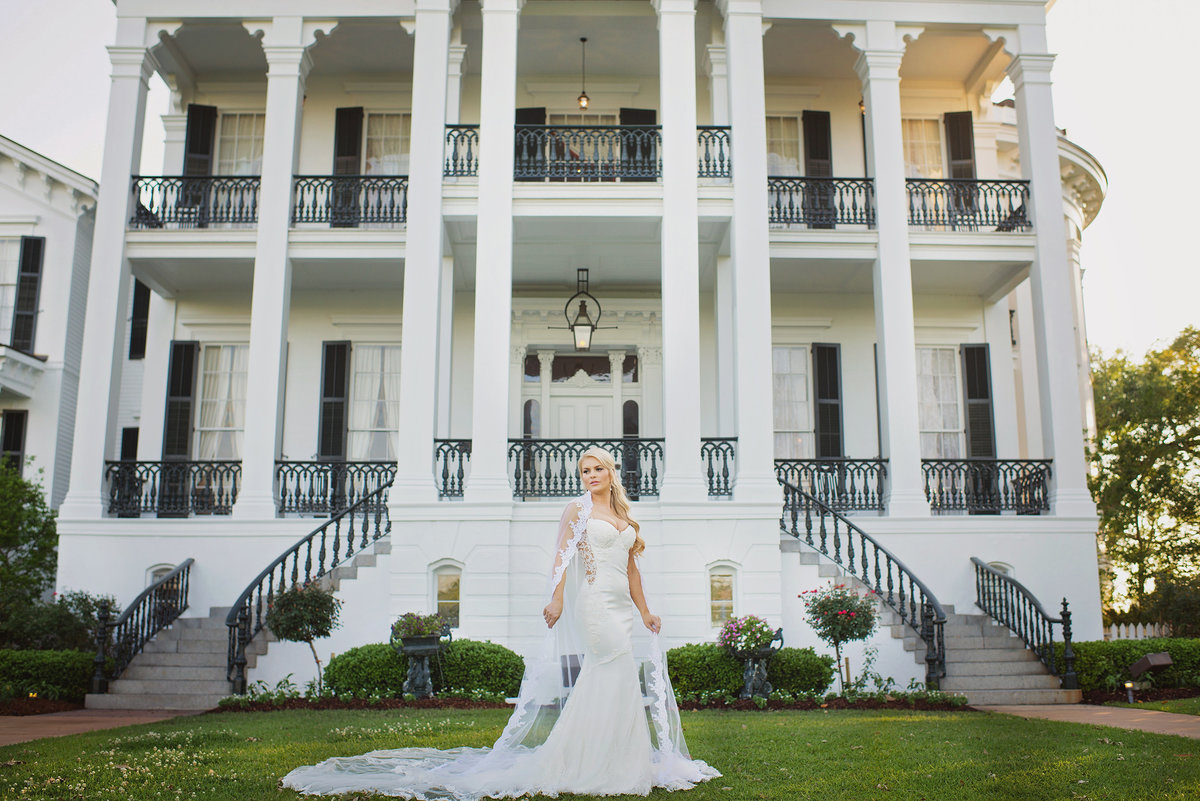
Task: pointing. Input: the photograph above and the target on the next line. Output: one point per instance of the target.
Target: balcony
(350, 201)
(987, 486)
(820, 202)
(462, 151)
(171, 489)
(225, 201)
(325, 488)
(587, 153)
(844, 485)
(19, 372)
(968, 205)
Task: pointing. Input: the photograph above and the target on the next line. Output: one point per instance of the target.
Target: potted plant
(839, 615)
(419, 637)
(751, 640)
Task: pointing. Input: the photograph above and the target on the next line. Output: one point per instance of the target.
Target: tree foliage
(1146, 463)
(28, 539)
(304, 613)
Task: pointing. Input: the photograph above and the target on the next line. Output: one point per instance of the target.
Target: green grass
(940, 756)
(1184, 706)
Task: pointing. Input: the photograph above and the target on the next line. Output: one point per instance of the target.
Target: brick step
(989, 697)
(139, 671)
(153, 701)
(168, 687)
(1009, 682)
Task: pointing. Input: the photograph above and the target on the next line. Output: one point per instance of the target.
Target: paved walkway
(23, 728)
(1150, 720)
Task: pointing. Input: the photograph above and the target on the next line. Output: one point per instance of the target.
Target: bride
(596, 714)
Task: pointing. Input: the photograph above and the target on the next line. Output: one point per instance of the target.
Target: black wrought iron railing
(462, 151)
(171, 489)
(548, 468)
(960, 204)
(321, 488)
(161, 201)
(719, 456)
(587, 153)
(451, 458)
(714, 154)
(1011, 604)
(119, 641)
(820, 202)
(987, 486)
(348, 201)
(827, 531)
(847, 485)
(335, 541)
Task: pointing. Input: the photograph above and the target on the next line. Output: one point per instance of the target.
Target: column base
(254, 506)
(412, 489)
(757, 488)
(906, 504)
(81, 507)
(1072, 503)
(487, 489)
(683, 489)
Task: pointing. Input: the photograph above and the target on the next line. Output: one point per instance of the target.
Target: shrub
(60, 675)
(304, 613)
(373, 669)
(68, 623)
(472, 665)
(704, 667)
(1105, 665)
(800, 670)
(28, 540)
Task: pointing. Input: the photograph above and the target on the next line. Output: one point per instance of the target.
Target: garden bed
(36, 706)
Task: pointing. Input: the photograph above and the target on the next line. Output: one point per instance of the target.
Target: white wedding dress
(591, 719)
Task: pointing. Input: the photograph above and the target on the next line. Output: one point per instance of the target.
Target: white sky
(1121, 91)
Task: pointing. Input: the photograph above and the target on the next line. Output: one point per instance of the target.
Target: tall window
(582, 119)
(374, 402)
(793, 410)
(923, 149)
(937, 397)
(10, 262)
(448, 588)
(240, 144)
(783, 146)
(387, 144)
(222, 402)
(720, 595)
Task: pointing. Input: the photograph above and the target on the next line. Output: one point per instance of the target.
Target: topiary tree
(304, 613)
(839, 615)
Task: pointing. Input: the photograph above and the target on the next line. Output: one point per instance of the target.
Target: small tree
(304, 613)
(839, 615)
(28, 540)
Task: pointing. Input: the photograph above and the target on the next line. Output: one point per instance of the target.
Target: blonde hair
(618, 498)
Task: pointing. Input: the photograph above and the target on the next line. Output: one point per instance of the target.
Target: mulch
(1101, 697)
(36, 706)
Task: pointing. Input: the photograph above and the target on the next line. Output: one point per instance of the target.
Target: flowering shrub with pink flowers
(838, 615)
(746, 633)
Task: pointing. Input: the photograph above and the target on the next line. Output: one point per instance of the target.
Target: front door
(579, 416)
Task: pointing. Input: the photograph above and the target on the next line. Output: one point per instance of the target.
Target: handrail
(155, 608)
(893, 582)
(1011, 604)
(249, 612)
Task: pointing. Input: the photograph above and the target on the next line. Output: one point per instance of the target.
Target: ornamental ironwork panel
(987, 486)
(171, 489)
(548, 468)
(587, 153)
(843, 484)
(451, 460)
(462, 151)
(321, 488)
(194, 201)
(718, 455)
(348, 201)
(963, 204)
(714, 154)
(820, 202)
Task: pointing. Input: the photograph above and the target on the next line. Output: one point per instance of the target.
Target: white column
(726, 364)
(108, 285)
(616, 367)
(423, 262)
(160, 329)
(750, 249)
(493, 267)
(1050, 280)
(516, 376)
(457, 54)
(174, 141)
(650, 361)
(1004, 387)
(445, 359)
(1031, 414)
(270, 305)
(545, 372)
(878, 67)
(717, 67)
(1087, 399)
(682, 471)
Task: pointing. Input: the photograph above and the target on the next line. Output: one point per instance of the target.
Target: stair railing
(832, 534)
(153, 610)
(332, 543)
(1011, 604)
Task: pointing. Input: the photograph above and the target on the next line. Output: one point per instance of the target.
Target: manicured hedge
(800, 670)
(1105, 665)
(704, 667)
(57, 675)
(464, 665)
(373, 669)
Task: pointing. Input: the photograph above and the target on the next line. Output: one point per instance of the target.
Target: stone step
(990, 697)
(993, 667)
(991, 655)
(138, 671)
(151, 659)
(168, 687)
(202, 623)
(954, 642)
(196, 633)
(153, 701)
(1008, 682)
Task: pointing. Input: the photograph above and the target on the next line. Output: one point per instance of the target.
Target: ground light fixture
(584, 100)
(580, 321)
(1129, 690)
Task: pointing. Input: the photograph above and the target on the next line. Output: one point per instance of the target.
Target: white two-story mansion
(830, 321)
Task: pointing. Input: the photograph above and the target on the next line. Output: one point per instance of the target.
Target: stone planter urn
(754, 667)
(418, 682)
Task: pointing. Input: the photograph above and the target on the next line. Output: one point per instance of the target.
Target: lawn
(940, 756)
(1184, 706)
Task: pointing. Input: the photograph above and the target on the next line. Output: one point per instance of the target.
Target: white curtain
(793, 419)
(240, 145)
(374, 402)
(387, 144)
(10, 256)
(922, 148)
(783, 146)
(222, 402)
(937, 398)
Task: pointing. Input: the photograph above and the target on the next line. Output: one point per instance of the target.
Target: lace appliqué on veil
(589, 560)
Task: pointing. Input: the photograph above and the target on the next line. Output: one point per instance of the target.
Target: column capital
(674, 6)
(436, 6)
(545, 358)
(501, 6)
(1030, 68)
(742, 7)
(131, 62)
(716, 61)
(878, 35)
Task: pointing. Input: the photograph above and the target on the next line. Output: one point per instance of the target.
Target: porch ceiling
(821, 277)
(171, 276)
(988, 280)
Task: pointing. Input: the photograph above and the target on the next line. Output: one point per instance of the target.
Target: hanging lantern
(584, 100)
(580, 321)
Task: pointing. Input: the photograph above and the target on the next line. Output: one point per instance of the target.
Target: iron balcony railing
(820, 202)
(845, 485)
(547, 468)
(987, 486)
(718, 454)
(194, 201)
(587, 153)
(1011, 604)
(462, 151)
(170, 488)
(322, 488)
(714, 155)
(960, 204)
(348, 201)
(451, 459)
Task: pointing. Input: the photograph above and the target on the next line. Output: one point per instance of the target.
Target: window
(387, 144)
(29, 277)
(129, 443)
(222, 402)
(12, 438)
(240, 144)
(448, 593)
(582, 119)
(720, 594)
(531, 420)
(374, 402)
(533, 369)
(138, 320)
(10, 260)
(566, 366)
(828, 396)
(629, 370)
(783, 146)
(923, 149)
(793, 415)
(937, 398)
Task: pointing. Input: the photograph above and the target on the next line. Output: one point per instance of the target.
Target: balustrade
(194, 201)
(959, 204)
(587, 153)
(714, 154)
(987, 486)
(820, 202)
(547, 468)
(718, 455)
(462, 151)
(321, 488)
(348, 201)
(843, 484)
(171, 489)
(451, 458)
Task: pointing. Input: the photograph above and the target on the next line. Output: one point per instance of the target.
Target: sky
(1120, 91)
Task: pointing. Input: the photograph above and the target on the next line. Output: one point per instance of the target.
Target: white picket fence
(1136, 631)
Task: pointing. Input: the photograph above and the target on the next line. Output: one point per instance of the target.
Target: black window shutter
(181, 399)
(129, 443)
(977, 381)
(960, 144)
(347, 141)
(139, 320)
(12, 438)
(818, 145)
(199, 140)
(29, 277)
(639, 154)
(335, 392)
(828, 392)
(529, 151)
